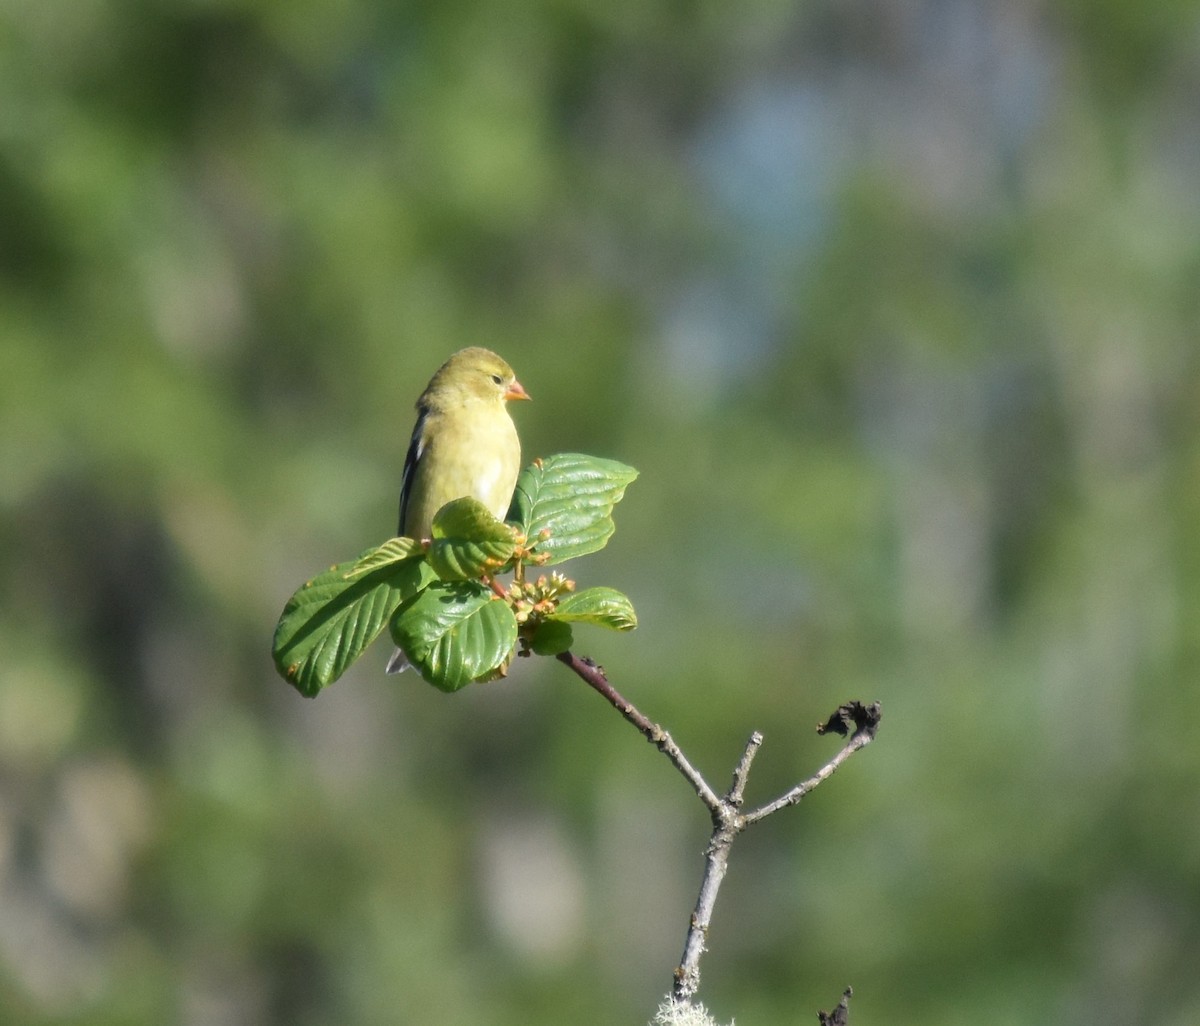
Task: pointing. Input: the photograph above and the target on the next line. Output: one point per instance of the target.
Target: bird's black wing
(415, 448)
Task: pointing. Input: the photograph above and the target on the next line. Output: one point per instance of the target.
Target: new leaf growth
(441, 601)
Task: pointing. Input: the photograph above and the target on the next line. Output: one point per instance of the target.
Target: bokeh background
(894, 303)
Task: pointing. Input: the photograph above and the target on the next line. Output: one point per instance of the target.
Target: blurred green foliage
(895, 308)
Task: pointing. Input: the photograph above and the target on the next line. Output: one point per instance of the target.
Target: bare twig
(792, 797)
(593, 675)
(854, 719)
(741, 772)
(840, 1016)
(727, 824)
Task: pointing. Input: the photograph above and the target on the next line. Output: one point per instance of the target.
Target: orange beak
(517, 391)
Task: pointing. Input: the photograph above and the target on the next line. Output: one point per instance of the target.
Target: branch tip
(840, 1016)
(853, 717)
(741, 771)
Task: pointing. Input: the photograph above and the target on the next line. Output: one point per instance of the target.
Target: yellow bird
(464, 444)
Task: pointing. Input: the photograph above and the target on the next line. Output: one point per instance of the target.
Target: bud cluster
(537, 598)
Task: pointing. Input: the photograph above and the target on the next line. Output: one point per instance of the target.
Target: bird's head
(475, 374)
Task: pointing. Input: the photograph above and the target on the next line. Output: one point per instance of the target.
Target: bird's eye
(496, 378)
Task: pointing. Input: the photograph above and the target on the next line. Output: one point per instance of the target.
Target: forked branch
(855, 721)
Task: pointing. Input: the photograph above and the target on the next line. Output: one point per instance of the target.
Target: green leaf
(551, 638)
(327, 623)
(605, 607)
(395, 550)
(570, 497)
(468, 541)
(455, 633)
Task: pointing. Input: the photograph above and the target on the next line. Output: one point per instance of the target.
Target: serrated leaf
(468, 541)
(550, 638)
(455, 632)
(563, 504)
(394, 550)
(327, 623)
(605, 607)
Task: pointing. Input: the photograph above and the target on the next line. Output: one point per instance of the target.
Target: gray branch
(853, 720)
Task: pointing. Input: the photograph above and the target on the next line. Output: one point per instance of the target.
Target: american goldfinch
(464, 444)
